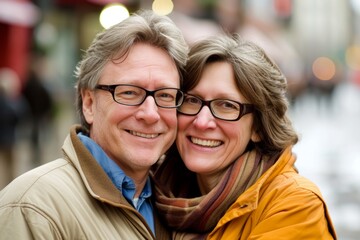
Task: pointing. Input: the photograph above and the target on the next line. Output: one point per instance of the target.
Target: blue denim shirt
(122, 182)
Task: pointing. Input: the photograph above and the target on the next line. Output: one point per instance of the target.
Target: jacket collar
(95, 179)
(248, 201)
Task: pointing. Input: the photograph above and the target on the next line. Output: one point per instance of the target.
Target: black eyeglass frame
(111, 89)
(245, 108)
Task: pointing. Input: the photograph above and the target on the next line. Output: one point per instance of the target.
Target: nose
(204, 119)
(148, 111)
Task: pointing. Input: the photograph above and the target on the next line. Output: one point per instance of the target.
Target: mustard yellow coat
(280, 205)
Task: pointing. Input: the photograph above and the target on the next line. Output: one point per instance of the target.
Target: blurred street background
(316, 43)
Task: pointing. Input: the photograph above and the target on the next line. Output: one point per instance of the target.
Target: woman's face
(206, 144)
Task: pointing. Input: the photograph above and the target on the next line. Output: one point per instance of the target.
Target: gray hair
(258, 78)
(115, 42)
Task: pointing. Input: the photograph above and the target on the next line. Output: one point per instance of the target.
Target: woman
(231, 174)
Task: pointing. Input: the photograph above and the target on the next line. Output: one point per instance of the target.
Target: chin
(197, 168)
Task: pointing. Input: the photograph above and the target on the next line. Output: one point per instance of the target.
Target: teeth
(144, 135)
(205, 143)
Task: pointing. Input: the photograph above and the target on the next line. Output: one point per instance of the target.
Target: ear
(255, 136)
(88, 105)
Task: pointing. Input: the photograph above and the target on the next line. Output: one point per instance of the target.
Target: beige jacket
(70, 198)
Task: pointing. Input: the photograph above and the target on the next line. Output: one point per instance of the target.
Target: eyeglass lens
(133, 95)
(220, 108)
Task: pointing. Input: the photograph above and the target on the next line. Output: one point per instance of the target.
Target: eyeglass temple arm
(247, 108)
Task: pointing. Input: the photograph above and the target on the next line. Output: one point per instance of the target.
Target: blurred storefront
(57, 30)
(17, 19)
(322, 31)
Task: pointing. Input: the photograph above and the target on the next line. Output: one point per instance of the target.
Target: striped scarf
(192, 215)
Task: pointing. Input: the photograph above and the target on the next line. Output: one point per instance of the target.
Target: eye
(192, 100)
(127, 92)
(227, 105)
(167, 96)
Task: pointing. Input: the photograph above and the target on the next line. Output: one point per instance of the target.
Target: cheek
(183, 122)
(240, 137)
(114, 115)
(170, 120)
(106, 122)
(112, 112)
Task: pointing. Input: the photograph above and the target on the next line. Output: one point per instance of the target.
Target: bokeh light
(113, 14)
(353, 57)
(324, 68)
(163, 7)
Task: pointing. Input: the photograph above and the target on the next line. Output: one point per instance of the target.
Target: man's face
(134, 136)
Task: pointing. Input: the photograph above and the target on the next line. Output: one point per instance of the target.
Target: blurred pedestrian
(11, 111)
(41, 108)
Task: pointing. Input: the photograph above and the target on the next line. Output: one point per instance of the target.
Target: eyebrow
(220, 96)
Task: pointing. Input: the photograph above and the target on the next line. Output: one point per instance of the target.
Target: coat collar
(248, 201)
(95, 179)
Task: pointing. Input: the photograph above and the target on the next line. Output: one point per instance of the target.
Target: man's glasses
(131, 95)
(223, 109)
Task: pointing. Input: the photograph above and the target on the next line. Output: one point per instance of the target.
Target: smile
(144, 135)
(205, 143)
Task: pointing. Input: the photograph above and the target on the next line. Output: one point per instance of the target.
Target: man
(127, 94)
